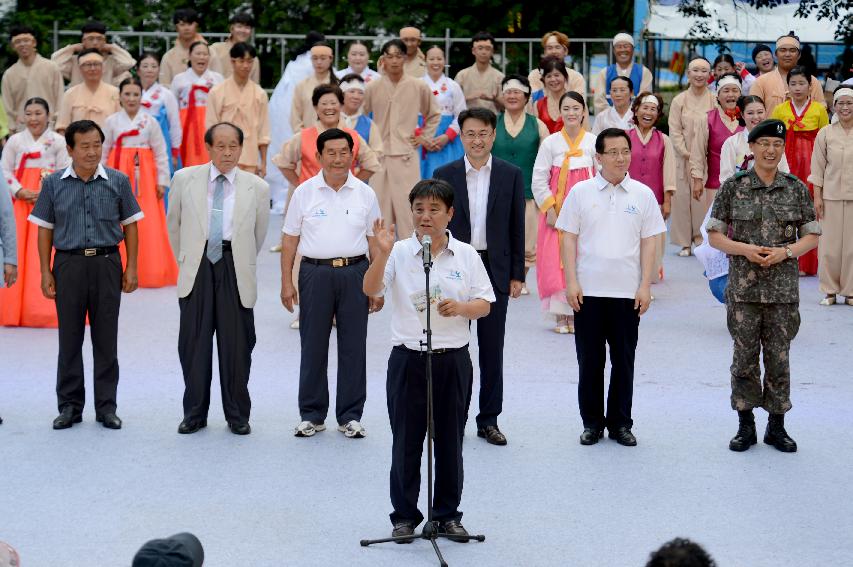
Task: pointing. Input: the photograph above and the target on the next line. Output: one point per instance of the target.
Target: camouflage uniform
(762, 303)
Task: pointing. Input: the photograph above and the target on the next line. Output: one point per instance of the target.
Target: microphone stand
(430, 531)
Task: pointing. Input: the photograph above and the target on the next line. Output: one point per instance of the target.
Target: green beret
(767, 129)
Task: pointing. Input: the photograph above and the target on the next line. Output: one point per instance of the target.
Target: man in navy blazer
(489, 204)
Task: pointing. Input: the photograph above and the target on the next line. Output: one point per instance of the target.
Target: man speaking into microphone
(459, 292)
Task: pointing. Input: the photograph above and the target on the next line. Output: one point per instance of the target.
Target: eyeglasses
(764, 145)
(481, 135)
(617, 153)
(91, 65)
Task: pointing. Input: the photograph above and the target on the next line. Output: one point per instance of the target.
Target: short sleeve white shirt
(610, 221)
(329, 223)
(459, 273)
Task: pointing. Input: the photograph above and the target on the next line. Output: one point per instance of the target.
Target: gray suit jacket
(188, 222)
(8, 240)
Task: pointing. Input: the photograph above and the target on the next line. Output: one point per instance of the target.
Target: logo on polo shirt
(320, 213)
(632, 210)
(454, 275)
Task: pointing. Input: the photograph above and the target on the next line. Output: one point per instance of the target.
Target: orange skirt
(23, 304)
(156, 263)
(193, 150)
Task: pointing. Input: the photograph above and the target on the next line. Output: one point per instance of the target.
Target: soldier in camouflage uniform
(764, 219)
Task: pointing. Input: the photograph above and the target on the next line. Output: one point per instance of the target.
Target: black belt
(484, 254)
(404, 348)
(91, 251)
(226, 245)
(335, 262)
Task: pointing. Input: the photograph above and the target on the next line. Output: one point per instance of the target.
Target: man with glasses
(772, 87)
(117, 61)
(763, 219)
(490, 217)
(93, 99)
(31, 76)
(609, 224)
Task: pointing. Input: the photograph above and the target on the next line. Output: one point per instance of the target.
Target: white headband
(650, 99)
(728, 80)
(351, 85)
(515, 84)
(623, 38)
(846, 91)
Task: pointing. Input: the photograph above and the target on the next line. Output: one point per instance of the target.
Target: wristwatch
(789, 252)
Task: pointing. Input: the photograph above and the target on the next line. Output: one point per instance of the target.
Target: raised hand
(385, 237)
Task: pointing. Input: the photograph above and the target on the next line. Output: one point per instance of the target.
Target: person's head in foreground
(179, 550)
(680, 552)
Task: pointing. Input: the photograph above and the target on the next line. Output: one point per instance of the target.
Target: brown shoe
(454, 530)
(492, 434)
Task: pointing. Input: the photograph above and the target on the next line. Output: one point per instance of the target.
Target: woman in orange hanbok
(28, 156)
(134, 144)
(803, 117)
(191, 88)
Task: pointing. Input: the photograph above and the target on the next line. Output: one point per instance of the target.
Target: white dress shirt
(457, 271)
(478, 199)
(329, 223)
(610, 220)
(227, 202)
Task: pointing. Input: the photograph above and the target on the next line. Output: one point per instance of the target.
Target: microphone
(426, 253)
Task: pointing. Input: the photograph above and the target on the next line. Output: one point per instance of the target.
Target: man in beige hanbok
(772, 87)
(176, 60)
(481, 82)
(93, 99)
(415, 64)
(623, 65)
(117, 61)
(241, 26)
(32, 75)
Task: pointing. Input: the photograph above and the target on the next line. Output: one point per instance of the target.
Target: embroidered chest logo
(454, 275)
(632, 210)
(320, 213)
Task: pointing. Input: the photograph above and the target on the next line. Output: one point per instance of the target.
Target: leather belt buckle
(339, 262)
(90, 252)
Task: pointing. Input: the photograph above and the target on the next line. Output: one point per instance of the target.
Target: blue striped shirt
(86, 214)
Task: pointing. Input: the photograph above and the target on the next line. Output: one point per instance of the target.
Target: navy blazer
(504, 217)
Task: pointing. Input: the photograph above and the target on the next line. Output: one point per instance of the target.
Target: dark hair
(93, 26)
(186, 15)
(241, 49)
(551, 63)
(321, 90)
(130, 81)
(626, 79)
(758, 49)
(333, 134)
(396, 42)
(723, 58)
(20, 30)
(311, 39)
(357, 42)
(37, 100)
(208, 136)
(521, 79)
(437, 189)
(575, 96)
(435, 46)
(680, 552)
(610, 133)
(195, 44)
(482, 114)
(798, 70)
(743, 102)
(148, 55)
(242, 18)
(638, 100)
(87, 52)
(81, 127)
(483, 36)
(352, 77)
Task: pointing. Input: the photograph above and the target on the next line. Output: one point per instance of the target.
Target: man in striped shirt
(84, 212)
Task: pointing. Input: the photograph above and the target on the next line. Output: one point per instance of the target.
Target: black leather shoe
(455, 531)
(188, 426)
(239, 428)
(591, 436)
(492, 434)
(623, 436)
(109, 420)
(403, 528)
(745, 436)
(777, 436)
(66, 418)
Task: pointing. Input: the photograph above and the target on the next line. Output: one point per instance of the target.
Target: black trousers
(614, 322)
(406, 387)
(213, 306)
(491, 330)
(325, 294)
(87, 286)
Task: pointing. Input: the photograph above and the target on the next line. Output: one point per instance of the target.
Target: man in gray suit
(218, 218)
(8, 242)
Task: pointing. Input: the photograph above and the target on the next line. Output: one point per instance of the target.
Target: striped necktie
(214, 238)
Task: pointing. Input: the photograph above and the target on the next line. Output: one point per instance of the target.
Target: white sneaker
(308, 428)
(353, 430)
(524, 290)
(295, 324)
(275, 248)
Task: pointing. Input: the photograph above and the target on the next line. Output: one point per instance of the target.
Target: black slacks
(327, 293)
(213, 306)
(614, 322)
(87, 285)
(491, 330)
(406, 387)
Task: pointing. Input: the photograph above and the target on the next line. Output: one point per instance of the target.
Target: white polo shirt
(457, 273)
(610, 221)
(478, 181)
(329, 223)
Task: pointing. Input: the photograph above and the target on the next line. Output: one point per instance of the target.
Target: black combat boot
(745, 436)
(776, 434)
